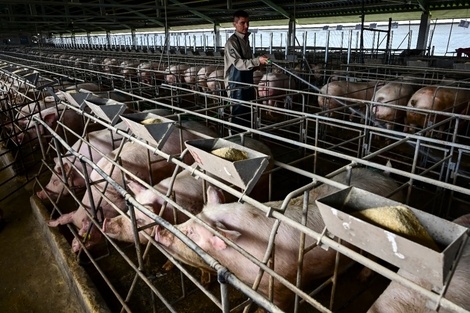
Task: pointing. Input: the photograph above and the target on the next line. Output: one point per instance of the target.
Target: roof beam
(424, 5)
(204, 17)
(146, 17)
(277, 8)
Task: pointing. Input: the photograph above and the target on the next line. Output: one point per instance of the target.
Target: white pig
(134, 158)
(100, 142)
(436, 99)
(187, 192)
(346, 89)
(392, 93)
(249, 228)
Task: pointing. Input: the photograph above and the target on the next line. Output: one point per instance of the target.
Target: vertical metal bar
(327, 46)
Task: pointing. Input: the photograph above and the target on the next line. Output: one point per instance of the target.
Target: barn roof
(59, 16)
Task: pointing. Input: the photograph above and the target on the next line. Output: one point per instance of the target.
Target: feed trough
(76, 99)
(9, 68)
(109, 113)
(337, 211)
(96, 99)
(23, 71)
(243, 173)
(155, 133)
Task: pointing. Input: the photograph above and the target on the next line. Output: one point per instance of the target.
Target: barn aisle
(30, 276)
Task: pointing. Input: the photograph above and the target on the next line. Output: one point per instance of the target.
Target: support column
(133, 40)
(423, 31)
(108, 38)
(217, 40)
(167, 40)
(74, 43)
(88, 38)
(291, 32)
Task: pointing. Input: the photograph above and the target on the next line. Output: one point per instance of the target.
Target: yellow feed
(151, 121)
(399, 220)
(230, 154)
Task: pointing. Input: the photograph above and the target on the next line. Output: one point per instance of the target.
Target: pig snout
(120, 228)
(41, 195)
(90, 236)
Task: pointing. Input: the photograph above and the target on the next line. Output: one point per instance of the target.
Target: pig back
(191, 75)
(203, 74)
(363, 178)
(270, 81)
(437, 99)
(215, 80)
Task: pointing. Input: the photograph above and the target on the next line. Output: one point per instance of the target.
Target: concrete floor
(32, 275)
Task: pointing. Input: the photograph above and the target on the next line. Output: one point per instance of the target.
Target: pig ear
(218, 243)
(57, 167)
(19, 138)
(67, 167)
(135, 187)
(215, 196)
(23, 123)
(50, 119)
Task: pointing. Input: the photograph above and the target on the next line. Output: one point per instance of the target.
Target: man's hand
(263, 59)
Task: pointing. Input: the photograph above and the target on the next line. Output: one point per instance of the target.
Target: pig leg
(63, 219)
(168, 266)
(206, 277)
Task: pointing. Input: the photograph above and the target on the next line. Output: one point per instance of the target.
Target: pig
(36, 106)
(257, 76)
(271, 95)
(63, 59)
(174, 73)
(346, 89)
(95, 64)
(134, 158)
(437, 99)
(268, 84)
(250, 228)
(110, 65)
(51, 116)
(100, 142)
(128, 68)
(399, 299)
(149, 71)
(203, 75)
(81, 62)
(190, 76)
(187, 192)
(215, 81)
(314, 71)
(391, 93)
(33, 107)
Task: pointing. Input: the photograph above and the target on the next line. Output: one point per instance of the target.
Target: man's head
(241, 21)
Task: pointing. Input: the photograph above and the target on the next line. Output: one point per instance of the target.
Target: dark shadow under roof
(58, 16)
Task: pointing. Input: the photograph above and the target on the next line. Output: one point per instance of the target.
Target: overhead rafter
(277, 8)
(65, 16)
(202, 16)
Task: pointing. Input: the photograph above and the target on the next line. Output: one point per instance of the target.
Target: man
(239, 64)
